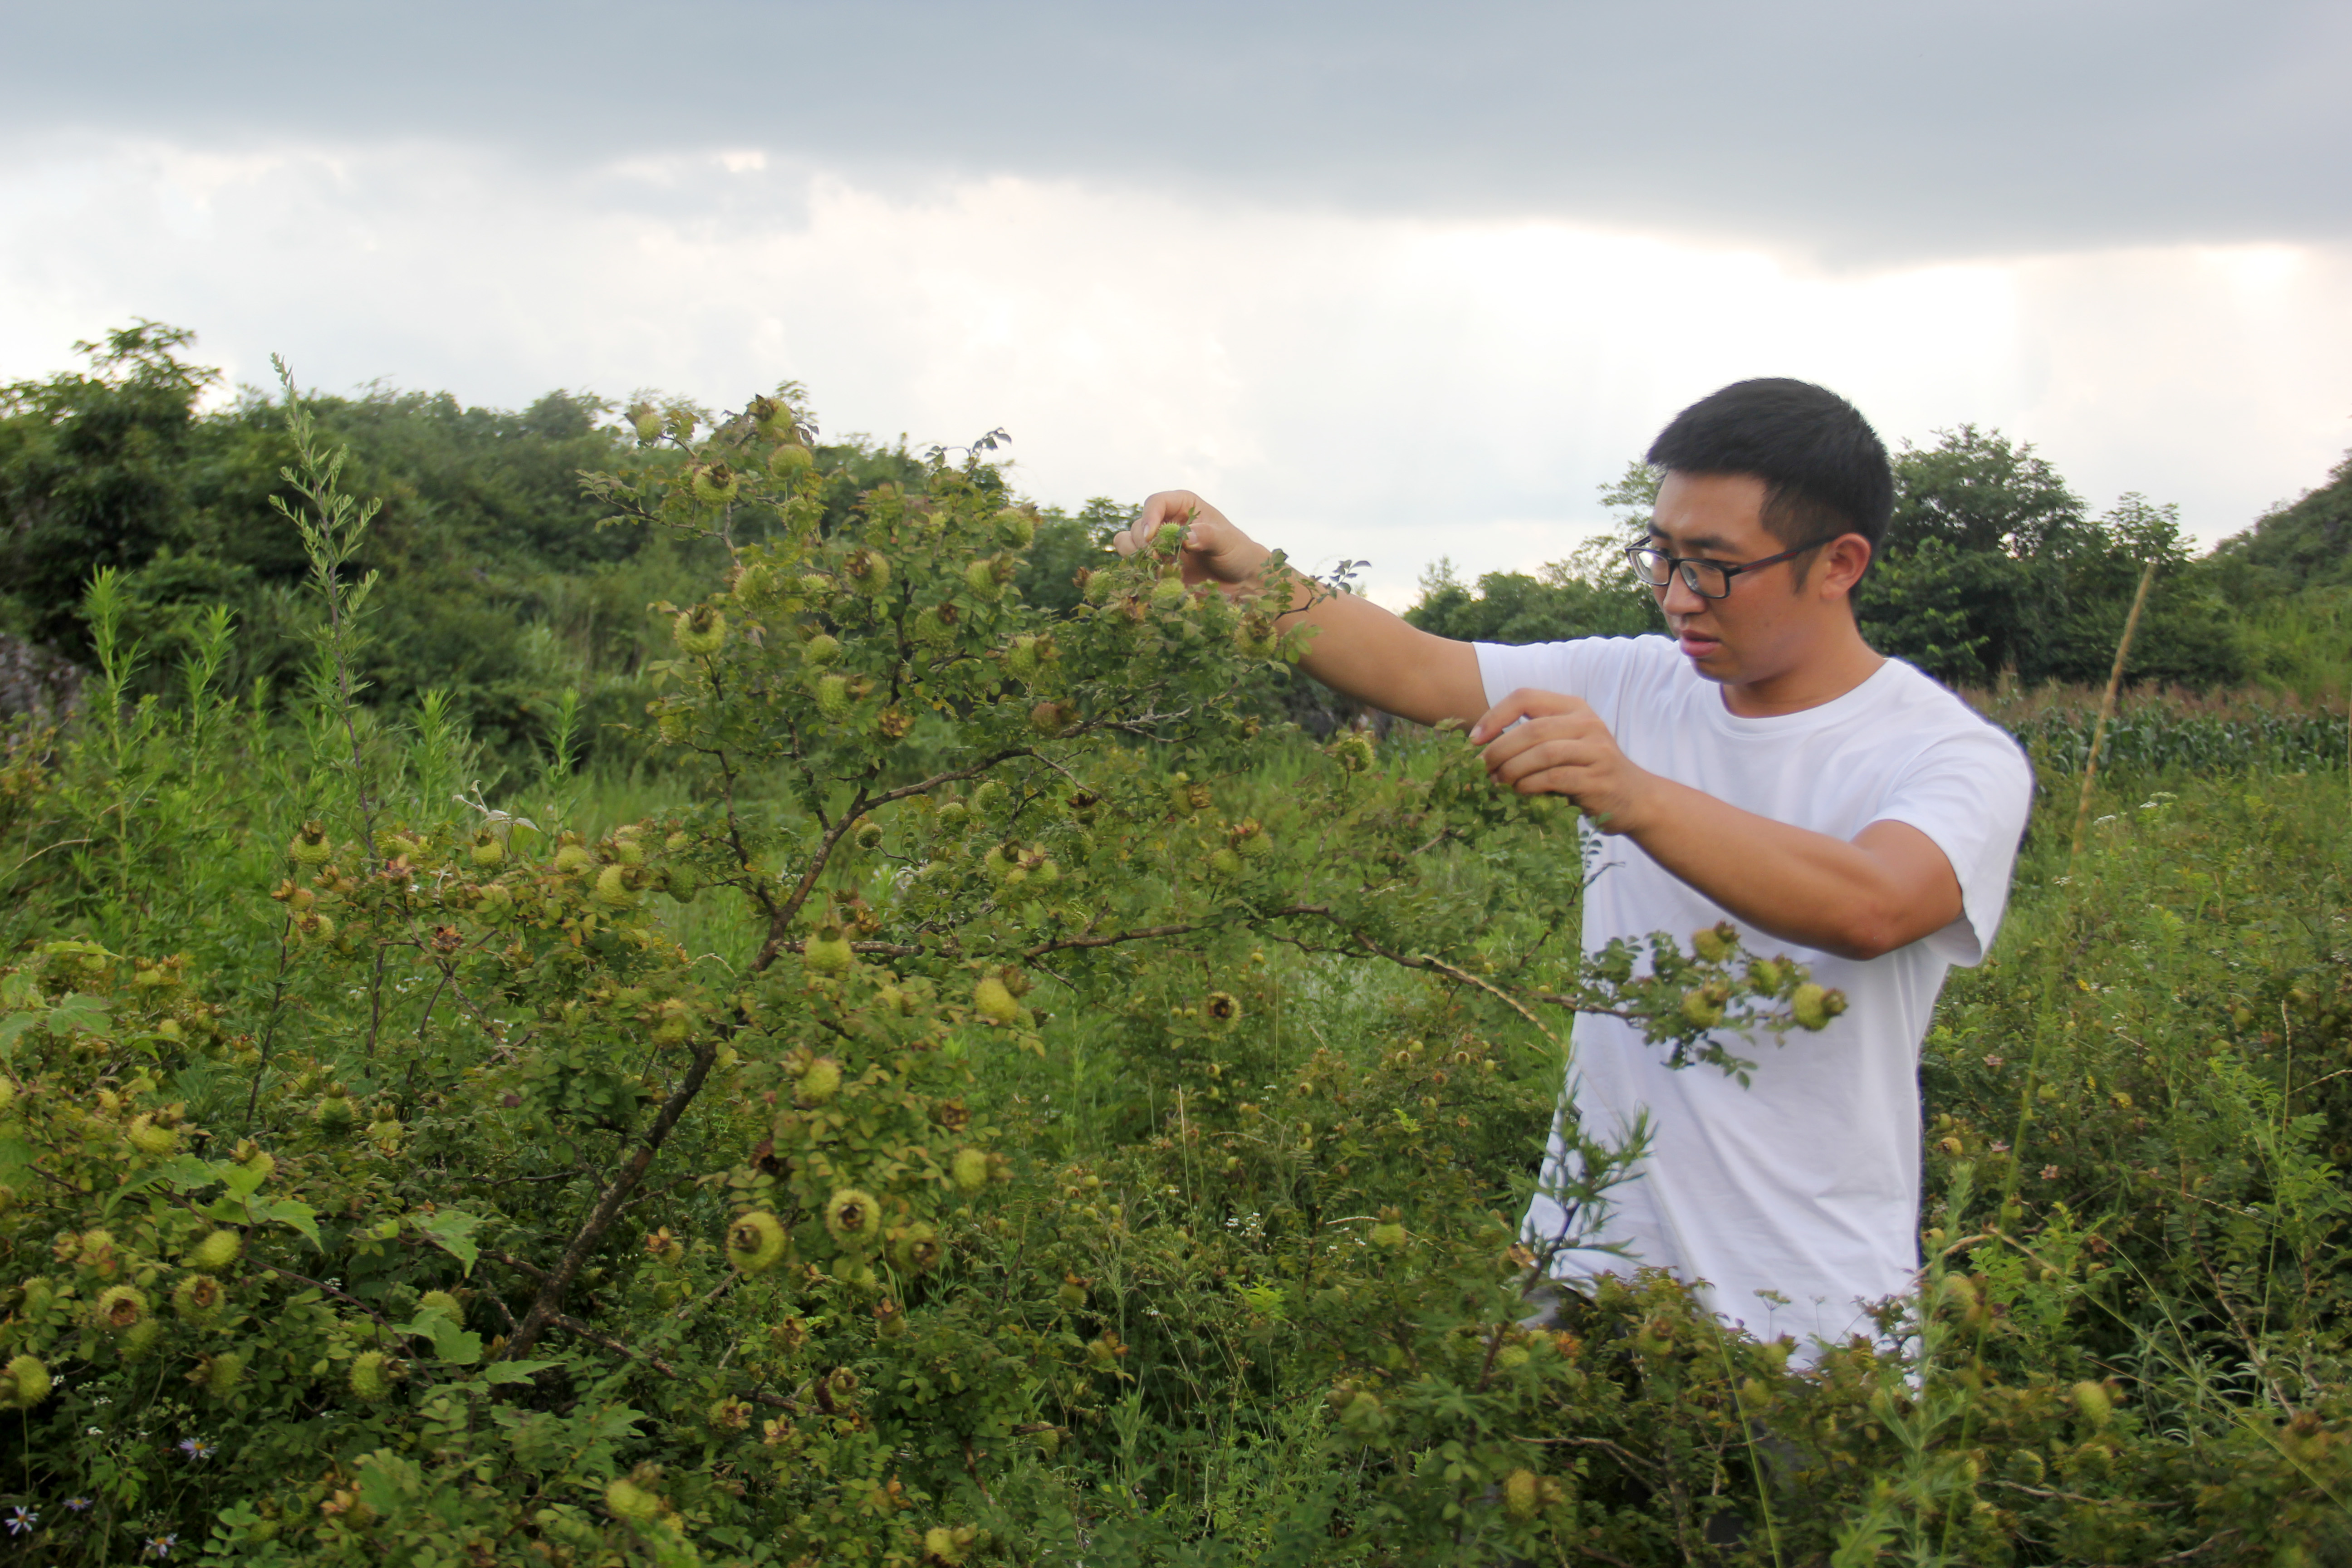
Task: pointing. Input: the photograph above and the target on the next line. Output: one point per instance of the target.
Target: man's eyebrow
(1696, 541)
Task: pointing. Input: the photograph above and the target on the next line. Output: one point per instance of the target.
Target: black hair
(1824, 470)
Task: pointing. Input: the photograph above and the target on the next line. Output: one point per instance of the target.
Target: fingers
(1165, 507)
(1525, 762)
(1524, 703)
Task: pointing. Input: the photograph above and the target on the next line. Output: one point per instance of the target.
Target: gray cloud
(1856, 133)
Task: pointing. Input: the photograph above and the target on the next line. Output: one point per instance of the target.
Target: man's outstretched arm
(1885, 887)
(1357, 647)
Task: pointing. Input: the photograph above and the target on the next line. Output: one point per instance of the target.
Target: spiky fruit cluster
(630, 1501)
(714, 483)
(1702, 1005)
(1717, 943)
(756, 1242)
(1222, 1008)
(2094, 1401)
(789, 459)
(853, 1217)
(372, 1375)
(443, 1303)
(154, 1141)
(1522, 1495)
(1389, 1233)
(612, 889)
(26, 1381)
(120, 1308)
(199, 1300)
(819, 1082)
(832, 698)
(647, 420)
(700, 631)
(869, 835)
(1015, 529)
(1814, 1006)
(1767, 974)
(310, 845)
(224, 1370)
(994, 1001)
(821, 651)
(571, 854)
(915, 1247)
(489, 850)
(970, 1170)
(868, 571)
(828, 951)
(1352, 751)
(335, 1112)
(217, 1251)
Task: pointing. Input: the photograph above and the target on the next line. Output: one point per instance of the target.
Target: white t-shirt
(1805, 1184)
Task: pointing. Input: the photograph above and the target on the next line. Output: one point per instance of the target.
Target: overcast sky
(1385, 282)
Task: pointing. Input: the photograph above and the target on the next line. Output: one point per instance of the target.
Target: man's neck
(1825, 675)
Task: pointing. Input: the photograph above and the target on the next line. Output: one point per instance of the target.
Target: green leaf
(514, 1370)
(453, 1343)
(451, 1230)
(287, 1212)
(78, 1011)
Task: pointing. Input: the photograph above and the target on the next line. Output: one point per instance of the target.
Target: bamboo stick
(2107, 706)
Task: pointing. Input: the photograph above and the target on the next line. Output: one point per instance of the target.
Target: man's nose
(1678, 599)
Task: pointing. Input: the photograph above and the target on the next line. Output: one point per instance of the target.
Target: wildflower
(78, 1504)
(197, 1448)
(2049, 1172)
(1994, 1061)
(21, 1519)
(160, 1546)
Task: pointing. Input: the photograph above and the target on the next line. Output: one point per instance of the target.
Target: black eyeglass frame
(1633, 553)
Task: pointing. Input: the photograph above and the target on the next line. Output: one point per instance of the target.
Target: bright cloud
(1366, 386)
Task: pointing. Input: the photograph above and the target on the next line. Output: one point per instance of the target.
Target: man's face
(1763, 629)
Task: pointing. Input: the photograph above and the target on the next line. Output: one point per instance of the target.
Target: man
(1759, 764)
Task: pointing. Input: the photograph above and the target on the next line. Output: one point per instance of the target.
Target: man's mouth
(1695, 644)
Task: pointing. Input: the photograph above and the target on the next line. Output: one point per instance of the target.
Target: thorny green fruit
(714, 483)
(309, 846)
(199, 1300)
(570, 855)
(1168, 594)
(700, 631)
(915, 1248)
(828, 951)
(869, 835)
(217, 1251)
(28, 1382)
(613, 888)
(756, 1242)
(821, 651)
(868, 571)
(970, 1170)
(1717, 943)
(1814, 1006)
(630, 1501)
(1522, 1495)
(832, 698)
(1015, 529)
(819, 1082)
(120, 1308)
(1352, 751)
(851, 1218)
(647, 421)
(1225, 863)
(789, 460)
(992, 1001)
(335, 1112)
(2094, 1401)
(443, 1303)
(1389, 1234)
(1765, 974)
(223, 1371)
(155, 1143)
(1221, 1008)
(1702, 1007)
(487, 850)
(980, 578)
(372, 1375)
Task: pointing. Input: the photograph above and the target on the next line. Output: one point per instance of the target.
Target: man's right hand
(1213, 550)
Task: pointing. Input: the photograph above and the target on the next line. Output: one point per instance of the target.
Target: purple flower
(21, 1519)
(160, 1545)
(78, 1504)
(195, 1448)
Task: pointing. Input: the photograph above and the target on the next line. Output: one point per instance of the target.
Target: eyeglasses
(1707, 579)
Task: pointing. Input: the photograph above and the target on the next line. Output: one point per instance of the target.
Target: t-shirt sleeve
(1970, 792)
(1598, 669)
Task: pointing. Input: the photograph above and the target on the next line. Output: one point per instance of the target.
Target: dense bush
(994, 1096)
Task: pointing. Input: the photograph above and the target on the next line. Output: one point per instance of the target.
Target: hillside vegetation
(955, 1077)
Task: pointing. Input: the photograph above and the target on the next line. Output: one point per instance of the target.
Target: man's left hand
(1563, 749)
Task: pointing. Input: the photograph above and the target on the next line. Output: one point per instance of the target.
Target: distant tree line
(502, 582)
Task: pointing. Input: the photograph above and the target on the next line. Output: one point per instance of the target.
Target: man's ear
(1841, 565)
